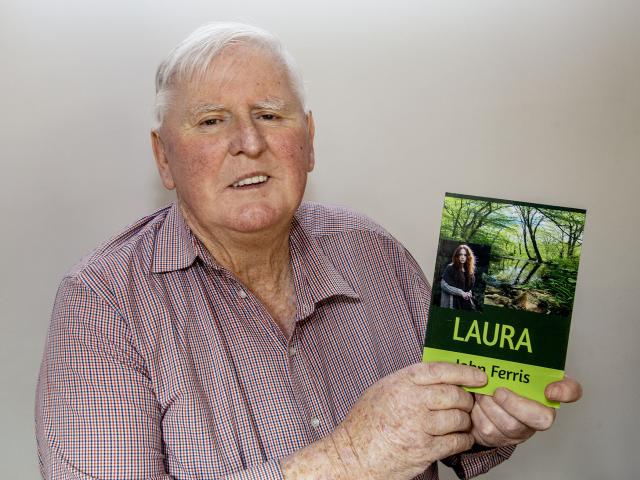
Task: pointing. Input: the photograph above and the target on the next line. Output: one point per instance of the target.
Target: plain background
(535, 101)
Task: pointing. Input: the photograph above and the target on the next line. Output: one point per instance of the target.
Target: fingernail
(500, 395)
(553, 392)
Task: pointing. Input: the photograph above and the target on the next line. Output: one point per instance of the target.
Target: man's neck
(261, 262)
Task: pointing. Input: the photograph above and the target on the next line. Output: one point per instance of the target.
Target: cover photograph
(503, 290)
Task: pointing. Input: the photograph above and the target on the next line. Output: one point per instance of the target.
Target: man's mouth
(256, 180)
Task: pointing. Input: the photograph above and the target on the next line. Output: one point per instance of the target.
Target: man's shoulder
(347, 235)
(351, 238)
(134, 244)
(326, 220)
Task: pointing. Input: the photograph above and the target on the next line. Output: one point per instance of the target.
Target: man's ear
(161, 160)
(311, 129)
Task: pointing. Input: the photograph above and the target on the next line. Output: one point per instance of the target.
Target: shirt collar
(174, 246)
(314, 275)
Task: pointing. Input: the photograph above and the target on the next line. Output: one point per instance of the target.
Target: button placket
(296, 373)
(319, 417)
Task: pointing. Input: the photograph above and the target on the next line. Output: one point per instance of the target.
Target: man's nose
(247, 139)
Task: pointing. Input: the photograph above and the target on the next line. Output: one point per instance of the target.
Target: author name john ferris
(499, 372)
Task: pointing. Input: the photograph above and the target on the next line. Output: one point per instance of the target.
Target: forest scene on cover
(534, 250)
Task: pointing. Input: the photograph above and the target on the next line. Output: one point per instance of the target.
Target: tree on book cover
(503, 290)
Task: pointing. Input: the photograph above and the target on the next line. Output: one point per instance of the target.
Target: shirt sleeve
(96, 414)
(478, 460)
(267, 471)
(97, 417)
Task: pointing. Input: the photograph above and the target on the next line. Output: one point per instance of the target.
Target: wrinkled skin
(397, 428)
(418, 415)
(411, 419)
(508, 419)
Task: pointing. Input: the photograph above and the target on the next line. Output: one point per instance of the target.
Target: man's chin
(260, 220)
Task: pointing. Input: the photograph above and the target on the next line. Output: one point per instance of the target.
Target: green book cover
(503, 291)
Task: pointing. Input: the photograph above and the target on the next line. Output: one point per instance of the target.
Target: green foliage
(559, 281)
(547, 237)
(557, 234)
(474, 221)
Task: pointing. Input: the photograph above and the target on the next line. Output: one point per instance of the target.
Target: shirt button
(293, 350)
(315, 422)
(242, 294)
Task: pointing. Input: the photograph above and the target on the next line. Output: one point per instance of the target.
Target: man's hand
(509, 419)
(408, 420)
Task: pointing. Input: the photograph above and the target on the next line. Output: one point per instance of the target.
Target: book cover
(503, 290)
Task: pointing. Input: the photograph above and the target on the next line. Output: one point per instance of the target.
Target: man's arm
(401, 425)
(97, 416)
(95, 411)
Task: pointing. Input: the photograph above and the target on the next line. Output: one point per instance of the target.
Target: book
(503, 290)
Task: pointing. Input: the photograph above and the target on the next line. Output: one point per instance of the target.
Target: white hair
(190, 59)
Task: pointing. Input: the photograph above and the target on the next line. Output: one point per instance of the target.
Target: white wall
(537, 101)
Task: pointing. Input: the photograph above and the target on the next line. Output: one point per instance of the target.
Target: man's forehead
(248, 76)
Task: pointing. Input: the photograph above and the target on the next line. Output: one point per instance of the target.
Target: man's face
(237, 145)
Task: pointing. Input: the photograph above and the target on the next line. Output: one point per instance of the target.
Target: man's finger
(531, 413)
(505, 423)
(484, 430)
(444, 397)
(438, 372)
(447, 445)
(566, 391)
(442, 422)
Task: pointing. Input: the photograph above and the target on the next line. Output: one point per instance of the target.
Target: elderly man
(241, 334)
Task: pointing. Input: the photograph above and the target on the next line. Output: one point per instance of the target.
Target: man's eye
(211, 121)
(268, 116)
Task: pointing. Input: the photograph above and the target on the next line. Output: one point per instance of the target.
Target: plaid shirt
(160, 364)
